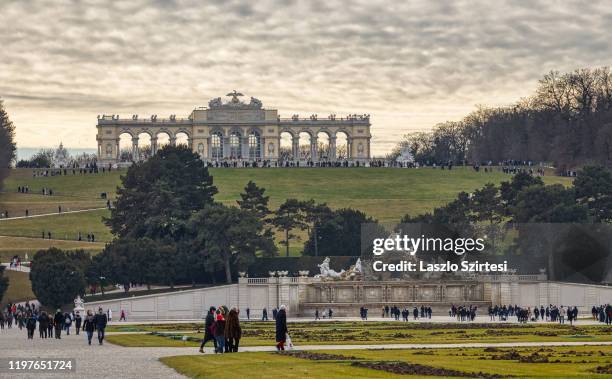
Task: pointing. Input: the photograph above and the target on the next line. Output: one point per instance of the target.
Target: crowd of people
(74, 169)
(550, 313)
(52, 325)
(222, 327)
(602, 313)
(463, 312)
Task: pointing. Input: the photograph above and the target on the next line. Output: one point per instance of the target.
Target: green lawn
(20, 287)
(347, 333)
(557, 362)
(383, 193)
(64, 226)
(11, 246)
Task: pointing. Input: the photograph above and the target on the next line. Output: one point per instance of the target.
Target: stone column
(226, 147)
(349, 148)
(153, 145)
(118, 150)
(135, 149)
(296, 148)
(173, 140)
(244, 147)
(332, 148)
(190, 142)
(314, 149)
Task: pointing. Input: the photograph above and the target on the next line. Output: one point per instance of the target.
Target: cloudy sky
(410, 64)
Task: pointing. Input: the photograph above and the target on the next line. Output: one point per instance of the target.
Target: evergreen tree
(159, 195)
(4, 282)
(594, 189)
(253, 200)
(56, 278)
(7, 143)
(289, 216)
(338, 234)
(228, 236)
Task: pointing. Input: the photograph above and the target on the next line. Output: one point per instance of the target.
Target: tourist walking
(233, 332)
(31, 325)
(100, 321)
(208, 332)
(58, 322)
(89, 326)
(43, 324)
(67, 323)
(281, 328)
(77, 322)
(219, 332)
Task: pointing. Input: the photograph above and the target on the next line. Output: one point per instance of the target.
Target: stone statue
(255, 103)
(235, 94)
(79, 304)
(357, 269)
(215, 103)
(328, 273)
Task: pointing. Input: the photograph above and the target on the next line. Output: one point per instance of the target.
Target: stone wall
(304, 295)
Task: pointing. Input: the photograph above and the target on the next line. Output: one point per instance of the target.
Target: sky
(409, 64)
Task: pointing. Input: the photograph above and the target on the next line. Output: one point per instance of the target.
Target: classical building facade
(237, 130)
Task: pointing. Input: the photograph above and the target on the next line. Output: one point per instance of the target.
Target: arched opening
(234, 145)
(342, 145)
(305, 150)
(126, 147)
(323, 148)
(182, 139)
(163, 139)
(144, 147)
(216, 146)
(286, 147)
(254, 145)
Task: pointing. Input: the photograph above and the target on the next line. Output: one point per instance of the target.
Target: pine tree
(253, 200)
(7, 143)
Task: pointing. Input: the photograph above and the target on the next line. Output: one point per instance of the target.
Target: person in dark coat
(43, 324)
(100, 321)
(233, 332)
(89, 326)
(30, 325)
(208, 334)
(281, 328)
(50, 327)
(77, 322)
(58, 322)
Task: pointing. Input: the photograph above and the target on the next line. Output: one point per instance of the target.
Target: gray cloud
(409, 64)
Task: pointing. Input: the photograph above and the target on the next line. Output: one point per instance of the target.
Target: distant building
(236, 130)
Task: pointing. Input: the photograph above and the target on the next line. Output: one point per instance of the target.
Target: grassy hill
(383, 193)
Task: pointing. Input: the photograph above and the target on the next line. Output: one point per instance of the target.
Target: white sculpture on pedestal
(327, 272)
(78, 304)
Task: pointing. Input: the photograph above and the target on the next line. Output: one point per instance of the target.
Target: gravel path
(95, 361)
(111, 361)
(51, 214)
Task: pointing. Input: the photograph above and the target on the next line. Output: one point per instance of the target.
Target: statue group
(353, 273)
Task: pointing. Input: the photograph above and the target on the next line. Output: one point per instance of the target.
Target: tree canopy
(57, 278)
(7, 143)
(566, 121)
(157, 196)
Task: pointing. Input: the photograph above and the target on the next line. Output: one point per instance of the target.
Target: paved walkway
(16, 268)
(51, 214)
(434, 319)
(111, 361)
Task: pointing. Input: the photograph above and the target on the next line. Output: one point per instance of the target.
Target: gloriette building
(237, 130)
